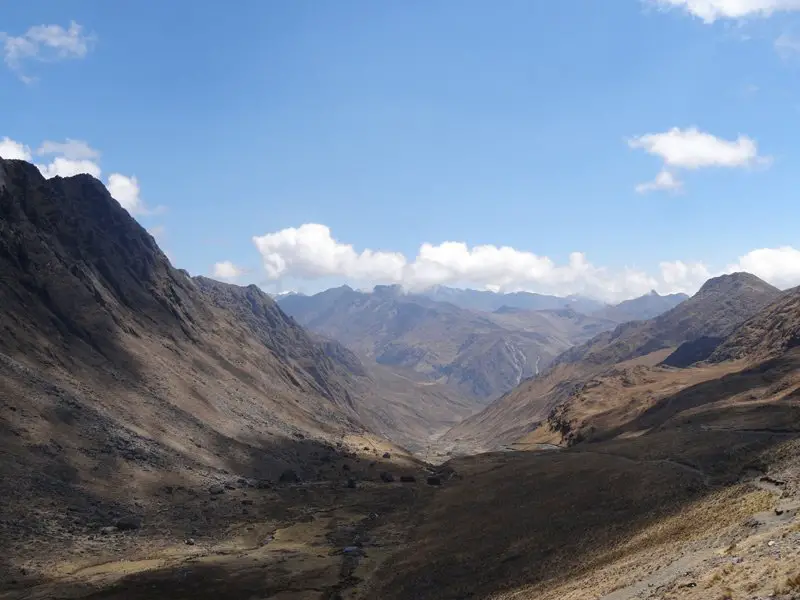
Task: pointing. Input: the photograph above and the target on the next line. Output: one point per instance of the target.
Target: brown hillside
(720, 305)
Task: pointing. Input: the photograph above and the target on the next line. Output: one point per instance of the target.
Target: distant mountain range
(490, 301)
(482, 354)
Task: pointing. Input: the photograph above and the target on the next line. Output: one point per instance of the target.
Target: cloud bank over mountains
(311, 252)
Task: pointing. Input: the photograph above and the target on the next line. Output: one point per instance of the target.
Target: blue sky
(386, 126)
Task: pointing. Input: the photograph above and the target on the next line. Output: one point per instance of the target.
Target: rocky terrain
(168, 436)
(721, 304)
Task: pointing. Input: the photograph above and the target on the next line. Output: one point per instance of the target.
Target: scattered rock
(229, 486)
(353, 551)
(190, 542)
(752, 522)
(408, 479)
(771, 543)
(387, 477)
(351, 483)
(434, 481)
(387, 455)
(215, 490)
(108, 530)
(289, 476)
(129, 523)
(345, 467)
(247, 502)
(263, 485)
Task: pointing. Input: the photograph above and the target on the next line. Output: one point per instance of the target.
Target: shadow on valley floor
(504, 522)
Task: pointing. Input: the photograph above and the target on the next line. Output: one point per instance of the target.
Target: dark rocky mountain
(490, 301)
(642, 308)
(715, 311)
(480, 354)
(115, 366)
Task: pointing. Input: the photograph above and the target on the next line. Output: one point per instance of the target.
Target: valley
(164, 435)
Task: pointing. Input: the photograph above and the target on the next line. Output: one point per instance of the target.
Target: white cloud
(712, 10)
(693, 149)
(44, 43)
(779, 266)
(71, 149)
(664, 181)
(64, 167)
(227, 271)
(125, 190)
(74, 157)
(11, 150)
(310, 252)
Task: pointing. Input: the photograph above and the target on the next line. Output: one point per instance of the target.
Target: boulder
(387, 477)
(434, 481)
(408, 478)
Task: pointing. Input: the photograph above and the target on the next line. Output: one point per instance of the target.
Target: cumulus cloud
(779, 266)
(311, 252)
(227, 271)
(664, 181)
(712, 10)
(125, 190)
(693, 149)
(44, 43)
(75, 157)
(11, 150)
(64, 167)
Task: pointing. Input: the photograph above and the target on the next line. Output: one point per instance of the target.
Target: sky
(599, 148)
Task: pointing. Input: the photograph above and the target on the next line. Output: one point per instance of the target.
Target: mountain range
(164, 435)
(480, 354)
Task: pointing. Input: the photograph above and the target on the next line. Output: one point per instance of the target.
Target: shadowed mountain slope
(121, 376)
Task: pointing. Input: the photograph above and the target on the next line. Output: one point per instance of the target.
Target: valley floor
(609, 521)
